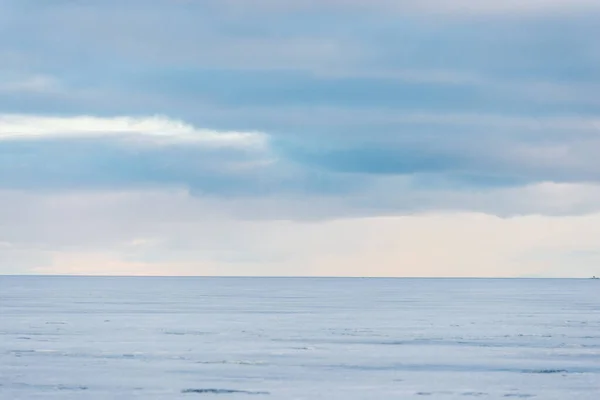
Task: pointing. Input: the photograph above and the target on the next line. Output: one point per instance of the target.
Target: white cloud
(99, 263)
(29, 84)
(455, 245)
(397, 195)
(160, 129)
(171, 233)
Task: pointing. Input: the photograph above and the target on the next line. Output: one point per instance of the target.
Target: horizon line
(285, 277)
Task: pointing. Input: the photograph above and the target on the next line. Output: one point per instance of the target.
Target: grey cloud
(341, 102)
(439, 151)
(131, 219)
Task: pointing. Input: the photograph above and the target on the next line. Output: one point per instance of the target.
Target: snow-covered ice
(299, 338)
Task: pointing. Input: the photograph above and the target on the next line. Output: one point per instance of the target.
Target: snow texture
(299, 338)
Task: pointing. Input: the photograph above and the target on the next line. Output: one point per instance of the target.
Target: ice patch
(549, 371)
(42, 387)
(222, 391)
(64, 387)
(233, 362)
(433, 393)
(188, 333)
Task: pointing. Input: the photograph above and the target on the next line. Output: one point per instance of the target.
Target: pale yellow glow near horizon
(430, 245)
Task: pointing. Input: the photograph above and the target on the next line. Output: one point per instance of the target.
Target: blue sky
(362, 123)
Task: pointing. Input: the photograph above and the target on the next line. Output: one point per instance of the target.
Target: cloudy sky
(280, 137)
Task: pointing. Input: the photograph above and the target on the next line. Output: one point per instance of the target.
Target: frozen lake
(279, 338)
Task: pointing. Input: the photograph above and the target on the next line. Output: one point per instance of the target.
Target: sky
(283, 138)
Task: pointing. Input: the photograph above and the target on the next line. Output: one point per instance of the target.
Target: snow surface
(278, 338)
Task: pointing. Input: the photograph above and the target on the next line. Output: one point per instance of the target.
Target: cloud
(23, 127)
(29, 84)
(462, 7)
(209, 66)
(461, 148)
(291, 131)
(84, 152)
(93, 234)
(102, 264)
(434, 152)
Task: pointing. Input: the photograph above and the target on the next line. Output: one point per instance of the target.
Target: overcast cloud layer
(223, 137)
